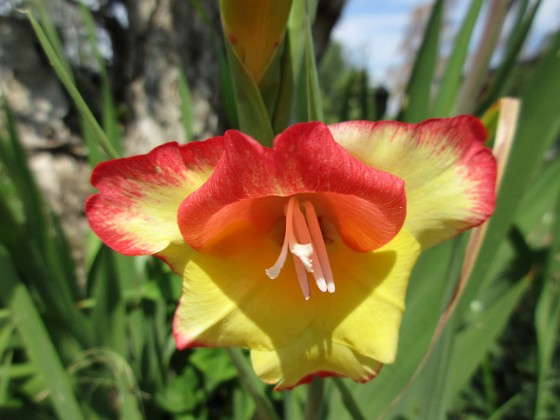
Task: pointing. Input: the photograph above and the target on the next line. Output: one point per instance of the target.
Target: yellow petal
(229, 301)
(289, 366)
(356, 342)
(366, 310)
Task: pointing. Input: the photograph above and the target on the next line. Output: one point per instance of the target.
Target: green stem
(348, 400)
(314, 407)
(265, 410)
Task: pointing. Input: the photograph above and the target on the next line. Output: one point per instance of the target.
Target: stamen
(300, 242)
(302, 278)
(319, 244)
(304, 239)
(274, 271)
(304, 235)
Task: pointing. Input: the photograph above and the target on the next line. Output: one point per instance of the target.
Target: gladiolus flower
(300, 252)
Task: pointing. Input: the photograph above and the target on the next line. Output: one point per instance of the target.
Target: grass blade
(481, 59)
(314, 104)
(417, 95)
(538, 127)
(348, 400)
(252, 385)
(547, 318)
(110, 120)
(443, 105)
(504, 72)
(39, 346)
(68, 83)
(187, 111)
(251, 110)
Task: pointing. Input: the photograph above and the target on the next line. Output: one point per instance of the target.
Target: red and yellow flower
(300, 252)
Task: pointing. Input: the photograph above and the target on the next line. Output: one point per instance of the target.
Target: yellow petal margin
(449, 176)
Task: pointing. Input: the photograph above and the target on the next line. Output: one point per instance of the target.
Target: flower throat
(304, 239)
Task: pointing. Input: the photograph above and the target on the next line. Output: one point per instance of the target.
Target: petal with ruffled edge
(449, 176)
(285, 366)
(228, 301)
(304, 160)
(135, 212)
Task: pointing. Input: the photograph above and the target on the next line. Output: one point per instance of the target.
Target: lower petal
(228, 301)
(354, 330)
(290, 366)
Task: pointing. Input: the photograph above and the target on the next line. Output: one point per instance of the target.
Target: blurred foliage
(347, 91)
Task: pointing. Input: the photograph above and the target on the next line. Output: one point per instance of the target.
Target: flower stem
(265, 410)
(348, 400)
(315, 407)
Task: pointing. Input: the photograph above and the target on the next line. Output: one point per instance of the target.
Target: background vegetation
(85, 332)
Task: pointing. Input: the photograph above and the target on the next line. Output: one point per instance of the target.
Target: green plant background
(105, 350)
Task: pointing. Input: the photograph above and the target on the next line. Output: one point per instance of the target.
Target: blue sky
(373, 30)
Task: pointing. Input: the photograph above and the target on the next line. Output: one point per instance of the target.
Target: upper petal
(449, 175)
(135, 211)
(304, 159)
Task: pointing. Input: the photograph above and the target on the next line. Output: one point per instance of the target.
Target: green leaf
(538, 127)
(537, 203)
(547, 318)
(252, 115)
(109, 308)
(110, 384)
(299, 26)
(417, 95)
(182, 394)
(38, 344)
(471, 344)
(348, 400)
(480, 61)
(448, 89)
(6, 357)
(110, 120)
(37, 245)
(314, 103)
(252, 385)
(68, 82)
(187, 111)
(216, 366)
(504, 73)
(283, 110)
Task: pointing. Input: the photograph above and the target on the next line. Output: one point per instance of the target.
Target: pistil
(304, 239)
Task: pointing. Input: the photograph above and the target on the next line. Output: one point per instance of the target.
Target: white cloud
(373, 30)
(546, 21)
(372, 39)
